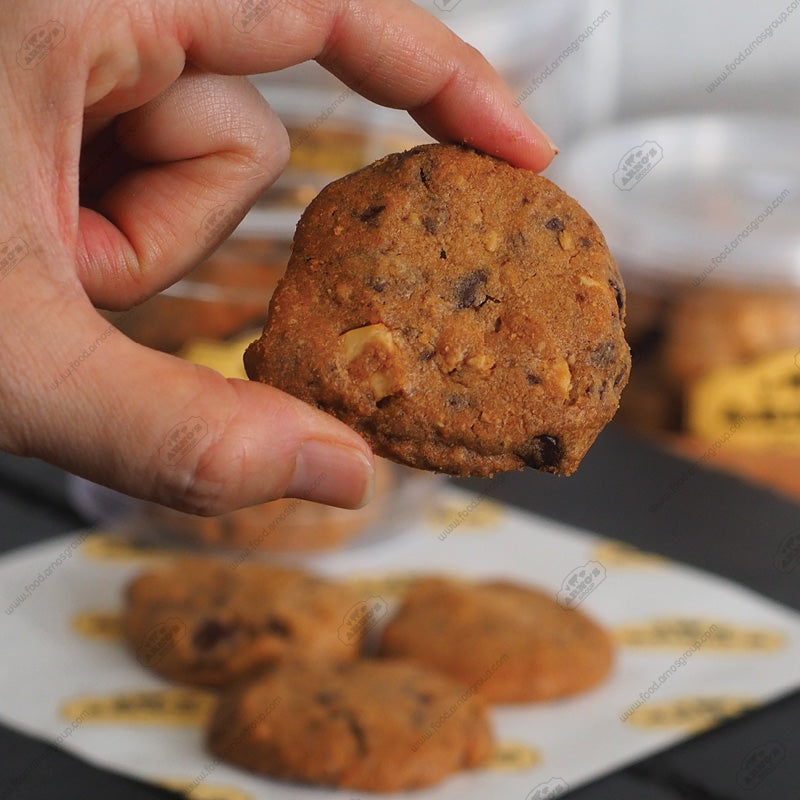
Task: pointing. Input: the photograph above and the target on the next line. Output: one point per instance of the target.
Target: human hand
(154, 83)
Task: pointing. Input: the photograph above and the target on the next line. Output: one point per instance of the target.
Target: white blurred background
(641, 57)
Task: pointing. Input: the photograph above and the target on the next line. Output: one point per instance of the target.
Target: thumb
(156, 427)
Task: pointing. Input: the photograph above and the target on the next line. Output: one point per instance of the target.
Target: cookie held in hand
(461, 314)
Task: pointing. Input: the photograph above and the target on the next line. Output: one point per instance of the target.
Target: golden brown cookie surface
(511, 643)
(207, 623)
(461, 314)
(369, 725)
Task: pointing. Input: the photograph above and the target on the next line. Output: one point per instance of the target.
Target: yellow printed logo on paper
(94, 624)
(691, 714)
(681, 633)
(613, 553)
(175, 706)
(115, 547)
(203, 791)
(514, 757)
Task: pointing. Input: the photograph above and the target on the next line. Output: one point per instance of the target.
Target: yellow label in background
(514, 757)
(756, 404)
(618, 554)
(225, 357)
(202, 790)
(115, 547)
(103, 625)
(682, 633)
(690, 714)
(175, 706)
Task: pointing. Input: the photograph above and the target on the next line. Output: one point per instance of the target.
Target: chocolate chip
(543, 452)
(517, 241)
(427, 355)
(377, 284)
(498, 324)
(371, 213)
(423, 177)
(211, 633)
(586, 242)
(277, 627)
(470, 290)
(618, 377)
(534, 380)
(604, 354)
(430, 224)
(554, 224)
(355, 728)
(442, 254)
(457, 401)
(326, 698)
(618, 293)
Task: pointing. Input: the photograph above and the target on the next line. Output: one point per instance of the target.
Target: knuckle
(206, 482)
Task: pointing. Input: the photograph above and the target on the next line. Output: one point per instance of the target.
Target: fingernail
(553, 145)
(331, 473)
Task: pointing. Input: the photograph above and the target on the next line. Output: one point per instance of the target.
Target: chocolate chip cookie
(368, 725)
(207, 623)
(463, 315)
(510, 643)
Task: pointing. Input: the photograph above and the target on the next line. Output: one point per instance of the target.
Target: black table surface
(625, 489)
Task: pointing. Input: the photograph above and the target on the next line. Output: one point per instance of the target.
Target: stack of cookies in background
(717, 375)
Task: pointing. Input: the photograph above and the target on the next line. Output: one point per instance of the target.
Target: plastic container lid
(695, 198)
(513, 35)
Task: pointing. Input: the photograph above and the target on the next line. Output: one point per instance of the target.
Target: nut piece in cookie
(209, 623)
(461, 314)
(377, 726)
(512, 643)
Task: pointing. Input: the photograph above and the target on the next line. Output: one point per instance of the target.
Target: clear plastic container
(215, 311)
(282, 528)
(225, 295)
(703, 215)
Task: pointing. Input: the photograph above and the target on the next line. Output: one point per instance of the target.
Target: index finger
(392, 52)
